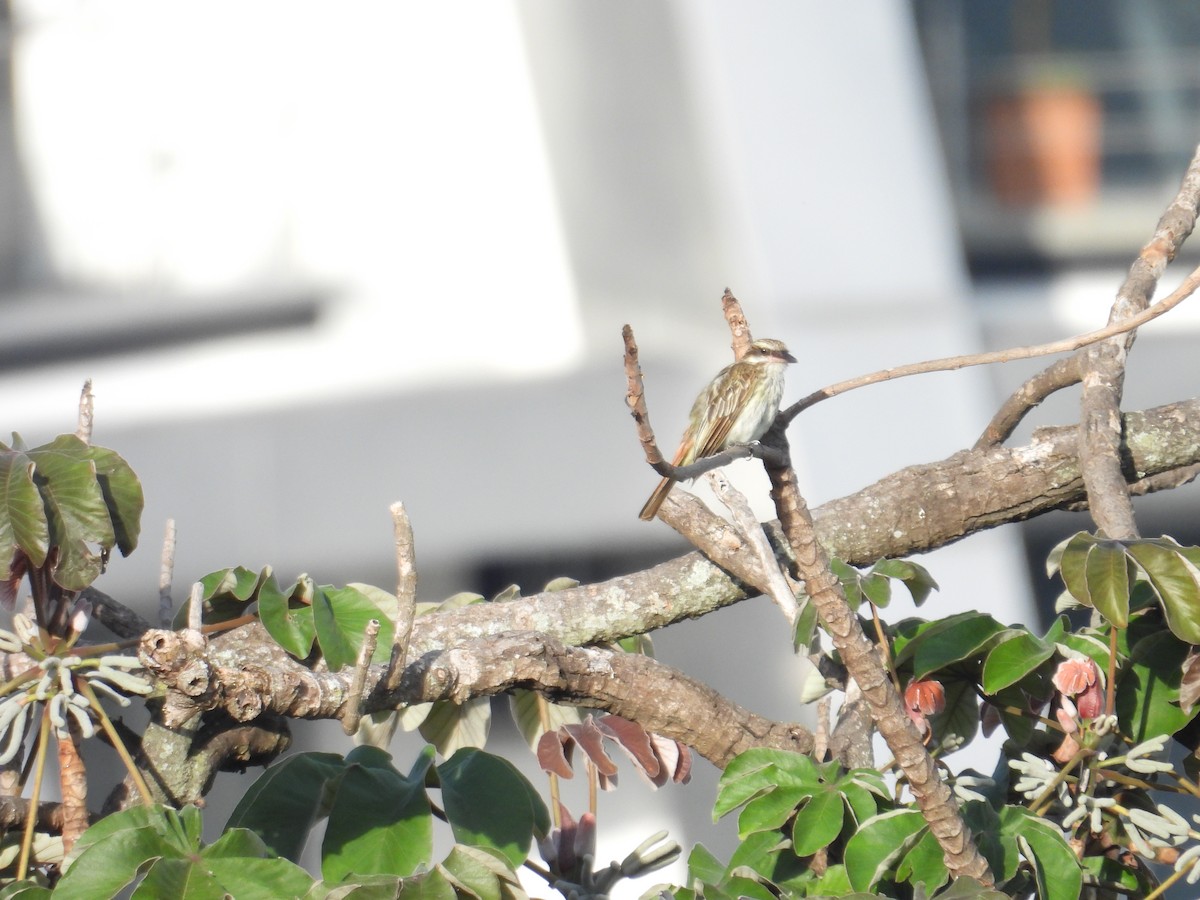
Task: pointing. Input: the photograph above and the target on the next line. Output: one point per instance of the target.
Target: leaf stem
(122, 751)
(31, 816)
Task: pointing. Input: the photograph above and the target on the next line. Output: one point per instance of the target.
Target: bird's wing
(725, 398)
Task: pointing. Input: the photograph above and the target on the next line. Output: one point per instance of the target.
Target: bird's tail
(650, 510)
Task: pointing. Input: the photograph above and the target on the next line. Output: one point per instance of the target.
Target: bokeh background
(320, 257)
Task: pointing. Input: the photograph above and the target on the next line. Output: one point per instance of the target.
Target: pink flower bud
(1074, 676)
(926, 697)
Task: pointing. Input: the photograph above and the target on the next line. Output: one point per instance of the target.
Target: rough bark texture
(861, 660)
(243, 680)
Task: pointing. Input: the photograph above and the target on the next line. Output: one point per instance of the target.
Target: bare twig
(406, 593)
(86, 413)
(950, 363)
(635, 399)
(116, 617)
(353, 710)
(1059, 374)
(196, 607)
(166, 574)
(776, 586)
(737, 324)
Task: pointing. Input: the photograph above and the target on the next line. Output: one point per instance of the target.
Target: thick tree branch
(911, 511)
(861, 660)
(245, 675)
(1103, 366)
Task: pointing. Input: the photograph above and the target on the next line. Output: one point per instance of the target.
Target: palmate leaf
(340, 616)
(957, 638)
(161, 848)
(451, 726)
(875, 584)
(23, 522)
(490, 804)
(380, 822)
(91, 501)
(1100, 573)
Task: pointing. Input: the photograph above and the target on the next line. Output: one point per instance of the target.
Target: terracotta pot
(1044, 147)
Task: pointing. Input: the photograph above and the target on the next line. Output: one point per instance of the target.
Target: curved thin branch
(950, 363)
(1059, 374)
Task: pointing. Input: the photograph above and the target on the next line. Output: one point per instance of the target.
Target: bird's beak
(786, 356)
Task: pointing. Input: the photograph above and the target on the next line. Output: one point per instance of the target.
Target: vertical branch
(166, 574)
(72, 777)
(737, 324)
(406, 594)
(196, 607)
(86, 413)
(1103, 367)
(933, 796)
(352, 713)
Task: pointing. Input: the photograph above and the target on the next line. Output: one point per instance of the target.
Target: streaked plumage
(737, 407)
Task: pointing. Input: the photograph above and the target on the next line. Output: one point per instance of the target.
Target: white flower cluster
(1036, 774)
(57, 688)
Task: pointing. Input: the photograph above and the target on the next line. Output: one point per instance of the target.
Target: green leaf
(759, 771)
(704, 866)
(961, 715)
(879, 844)
(106, 866)
(1012, 659)
(768, 855)
(291, 626)
(160, 845)
(849, 577)
(226, 594)
(482, 874)
(1057, 868)
(913, 576)
(185, 879)
(22, 513)
(340, 616)
(924, 864)
(770, 811)
(24, 890)
(1108, 575)
(252, 878)
(489, 803)
(818, 823)
(379, 821)
(451, 726)
(287, 801)
(122, 494)
(526, 709)
(1071, 563)
(1176, 581)
(806, 625)
(876, 588)
(961, 637)
(76, 513)
(1148, 691)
